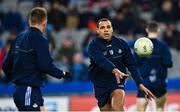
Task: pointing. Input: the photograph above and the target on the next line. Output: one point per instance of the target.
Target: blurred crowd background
(72, 24)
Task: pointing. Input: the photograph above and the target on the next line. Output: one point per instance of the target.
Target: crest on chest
(112, 52)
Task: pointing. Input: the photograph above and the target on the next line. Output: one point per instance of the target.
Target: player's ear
(45, 22)
(97, 30)
(29, 21)
(146, 30)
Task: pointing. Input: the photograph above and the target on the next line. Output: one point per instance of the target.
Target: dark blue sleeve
(44, 60)
(96, 54)
(8, 63)
(167, 59)
(130, 63)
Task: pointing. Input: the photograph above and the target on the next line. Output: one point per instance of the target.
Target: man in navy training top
(109, 58)
(154, 70)
(28, 61)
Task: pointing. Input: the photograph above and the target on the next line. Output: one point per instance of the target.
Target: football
(143, 47)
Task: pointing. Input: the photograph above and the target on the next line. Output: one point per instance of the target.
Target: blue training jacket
(105, 56)
(154, 67)
(29, 59)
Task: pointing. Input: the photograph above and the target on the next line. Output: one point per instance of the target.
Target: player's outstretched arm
(44, 60)
(130, 63)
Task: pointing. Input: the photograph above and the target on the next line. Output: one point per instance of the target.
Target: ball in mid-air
(143, 47)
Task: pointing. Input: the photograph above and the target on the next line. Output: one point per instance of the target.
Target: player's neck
(152, 35)
(38, 27)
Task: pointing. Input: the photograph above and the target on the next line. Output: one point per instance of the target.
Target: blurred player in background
(28, 61)
(154, 70)
(109, 57)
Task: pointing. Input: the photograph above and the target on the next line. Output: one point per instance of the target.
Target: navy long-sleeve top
(157, 63)
(29, 59)
(105, 56)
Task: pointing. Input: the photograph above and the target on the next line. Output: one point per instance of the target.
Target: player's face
(105, 30)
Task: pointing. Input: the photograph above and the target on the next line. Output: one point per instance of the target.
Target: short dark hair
(37, 15)
(100, 20)
(152, 27)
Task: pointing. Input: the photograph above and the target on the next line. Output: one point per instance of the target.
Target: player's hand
(119, 75)
(147, 92)
(67, 75)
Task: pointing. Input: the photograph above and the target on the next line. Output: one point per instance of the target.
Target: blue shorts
(102, 94)
(28, 98)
